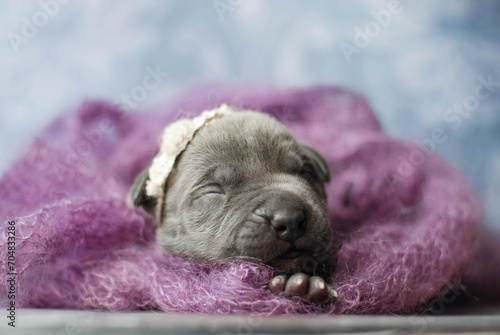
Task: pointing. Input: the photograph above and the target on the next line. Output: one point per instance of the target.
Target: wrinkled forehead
(244, 140)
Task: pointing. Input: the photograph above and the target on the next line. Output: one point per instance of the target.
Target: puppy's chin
(296, 261)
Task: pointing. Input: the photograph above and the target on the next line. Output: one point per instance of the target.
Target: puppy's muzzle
(285, 213)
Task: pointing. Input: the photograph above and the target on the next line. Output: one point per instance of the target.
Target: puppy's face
(245, 188)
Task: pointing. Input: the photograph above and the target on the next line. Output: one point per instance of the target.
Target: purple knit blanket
(409, 223)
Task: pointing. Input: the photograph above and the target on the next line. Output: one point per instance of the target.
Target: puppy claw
(332, 292)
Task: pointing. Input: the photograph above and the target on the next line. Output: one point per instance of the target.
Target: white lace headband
(174, 141)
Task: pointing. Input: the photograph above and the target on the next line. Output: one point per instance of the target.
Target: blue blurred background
(413, 60)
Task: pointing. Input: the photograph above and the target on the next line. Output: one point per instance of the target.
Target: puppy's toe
(302, 287)
(297, 285)
(277, 284)
(319, 291)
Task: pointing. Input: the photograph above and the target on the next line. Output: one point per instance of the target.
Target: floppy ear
(319, 161)
(138, 197)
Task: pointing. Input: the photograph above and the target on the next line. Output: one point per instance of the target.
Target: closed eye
(207, 194)
(213, 189)
(210, 189)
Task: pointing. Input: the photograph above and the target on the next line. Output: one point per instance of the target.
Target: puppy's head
(244, 188)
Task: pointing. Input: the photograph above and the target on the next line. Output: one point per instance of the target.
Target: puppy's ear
(319, 161)
(138, 197)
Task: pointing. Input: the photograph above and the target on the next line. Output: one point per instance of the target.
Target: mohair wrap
(409, 222)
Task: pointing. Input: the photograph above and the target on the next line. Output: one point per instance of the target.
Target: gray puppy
(244, 188)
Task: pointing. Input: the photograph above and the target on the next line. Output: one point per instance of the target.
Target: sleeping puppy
(231, 185)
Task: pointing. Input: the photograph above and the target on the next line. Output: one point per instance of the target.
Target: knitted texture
(408, 221)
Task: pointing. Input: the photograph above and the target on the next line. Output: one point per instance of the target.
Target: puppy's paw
(309, 289)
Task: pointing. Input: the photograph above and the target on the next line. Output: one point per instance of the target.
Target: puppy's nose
(290, 224)
(286, 215)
